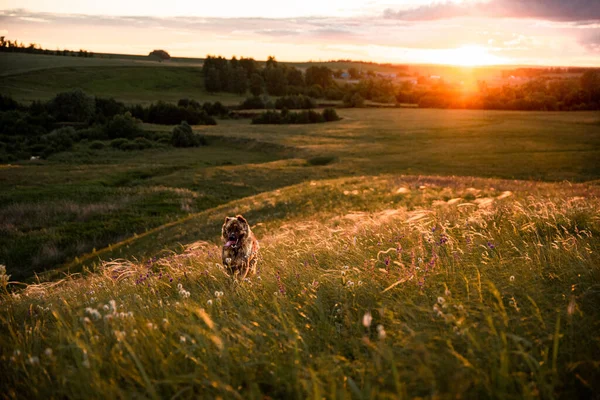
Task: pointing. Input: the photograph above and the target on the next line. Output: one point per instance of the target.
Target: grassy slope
(472, 291)
(130, 84)
(113, 195)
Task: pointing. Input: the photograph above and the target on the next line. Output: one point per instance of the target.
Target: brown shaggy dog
(240, 251)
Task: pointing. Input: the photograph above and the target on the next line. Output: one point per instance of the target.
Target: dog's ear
(242, 219)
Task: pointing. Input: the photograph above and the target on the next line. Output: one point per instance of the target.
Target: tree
(321, 76)
(239, 80)
(271, 62)
(161, 55)
(294, 77)
(590, 83)
(354, 74)
(257, 84)
(212, 79)
(73, 106)
(275, 81)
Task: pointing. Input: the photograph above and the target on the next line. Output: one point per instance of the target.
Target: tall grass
(492, 297)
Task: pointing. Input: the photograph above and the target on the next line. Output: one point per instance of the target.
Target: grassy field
(397, 287)
(28, 77)
(77, 203)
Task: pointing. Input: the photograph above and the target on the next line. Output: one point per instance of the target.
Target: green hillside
(397, 287)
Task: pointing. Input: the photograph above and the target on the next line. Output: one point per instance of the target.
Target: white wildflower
(48, 352)
(441, 300)
(113, 306)
(381, 332)
(367, 319)
(33, 360)
(512, 278)
(182, 339)
(209, 302)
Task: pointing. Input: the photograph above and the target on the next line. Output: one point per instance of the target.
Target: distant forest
(14, 46)
(538, 92)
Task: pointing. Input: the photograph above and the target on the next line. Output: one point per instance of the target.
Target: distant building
(345, 75)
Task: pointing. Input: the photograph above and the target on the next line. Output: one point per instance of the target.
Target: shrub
(288, 117)
(97, 145)
(7, 103)
(60, 139)
(183, 136)
(143, 143)
(108, 108)
(123, 126)
(295, 102)
(353, 100)
(330, 115)
(253, 103)
(73, 106)
(117, 143)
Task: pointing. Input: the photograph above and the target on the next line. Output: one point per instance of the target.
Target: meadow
(396, 286)
(405, 253)
(69, 208)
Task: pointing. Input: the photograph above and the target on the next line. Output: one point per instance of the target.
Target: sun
(469, 56)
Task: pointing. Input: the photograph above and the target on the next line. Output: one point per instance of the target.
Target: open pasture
(115, 195)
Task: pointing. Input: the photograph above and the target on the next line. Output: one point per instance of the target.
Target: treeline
(275, 79)
(9, 46)
(541, 94)
(45, 128)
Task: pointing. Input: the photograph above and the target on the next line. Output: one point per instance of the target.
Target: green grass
(130, 84)
(374, 287)
(79, 201)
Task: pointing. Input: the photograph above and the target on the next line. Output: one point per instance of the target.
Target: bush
(287, 117)
(108, 108)
(353, 100)
(123, 126)
(295, 102)
(97, 145)
(7, 103)
(253, 103)
(60, 139)
(143, 143)
(117, 143)
(183, 136)
(330, 115)
(73, 106)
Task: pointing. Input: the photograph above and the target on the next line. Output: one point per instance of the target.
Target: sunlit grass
(403, 287)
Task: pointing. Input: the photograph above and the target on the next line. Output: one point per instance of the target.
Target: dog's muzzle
(232, 241)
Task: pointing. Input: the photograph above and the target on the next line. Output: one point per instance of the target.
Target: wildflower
(33, 360)
(512, 278)
(209, 302)
(93, 313)
(350, 283)
(367, 319)
(150, 325)
(441, 300)
(360, 283)
(113, 306)
(218, 294)
(381, 332)
(106, 307)
(86, 320)
(491, 245)
(447, 292)
(48, 352)
(182, 339)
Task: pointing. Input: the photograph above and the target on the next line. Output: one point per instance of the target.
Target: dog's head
(235, 229)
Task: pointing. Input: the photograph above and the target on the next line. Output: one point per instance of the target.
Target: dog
(240, 251)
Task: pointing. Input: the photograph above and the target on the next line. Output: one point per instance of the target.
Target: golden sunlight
(469, 56)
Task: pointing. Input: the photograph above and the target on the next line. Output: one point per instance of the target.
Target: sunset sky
(526, 32)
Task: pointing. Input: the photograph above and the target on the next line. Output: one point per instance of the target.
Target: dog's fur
(240, 249)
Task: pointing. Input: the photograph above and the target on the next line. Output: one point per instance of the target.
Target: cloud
(553, 10)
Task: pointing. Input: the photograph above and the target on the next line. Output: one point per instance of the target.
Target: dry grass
(489, 296)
